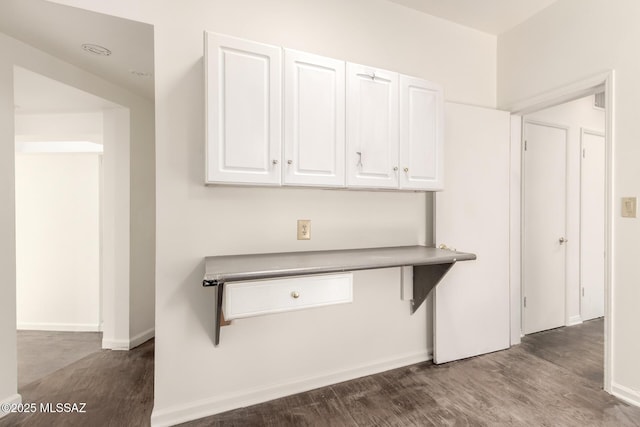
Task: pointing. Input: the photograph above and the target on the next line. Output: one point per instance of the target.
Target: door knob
(562, 240)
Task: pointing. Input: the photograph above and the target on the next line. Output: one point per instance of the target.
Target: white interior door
(471, 303)
(544, 227)
(592, 225)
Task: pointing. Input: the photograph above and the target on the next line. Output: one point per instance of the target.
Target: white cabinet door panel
(314, 120)
(372, 127)
(421, 135)
(243, 110)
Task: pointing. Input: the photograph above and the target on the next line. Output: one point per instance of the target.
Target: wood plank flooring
(553, 378)
(37, 358)
(117, 387)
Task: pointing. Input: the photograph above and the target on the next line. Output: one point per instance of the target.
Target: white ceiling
(489, 16)
(61, 31)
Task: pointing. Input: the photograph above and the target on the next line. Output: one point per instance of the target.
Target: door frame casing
(566, 129)
(571, 91)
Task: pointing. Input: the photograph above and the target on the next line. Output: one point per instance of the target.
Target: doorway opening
(60, 261)
(563, 182)
(563, 220)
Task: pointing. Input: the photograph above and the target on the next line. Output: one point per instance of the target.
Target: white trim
(38, 147)
(133, 342)
(142, 337)
(177, 414)
(609, 277)
(11, 400)
(515, 192)
(62, 327)
(626, 394)
(115, 344)
(574, 320)
(558, 96)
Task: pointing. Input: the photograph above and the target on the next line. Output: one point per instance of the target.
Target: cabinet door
(314, 120)
(372, 127)
(243, 110)
(421, 135)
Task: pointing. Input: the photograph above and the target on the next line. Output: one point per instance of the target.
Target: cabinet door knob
(289, 162)
(274, 161)
(406, 169)
(295, 294)
(395, 168)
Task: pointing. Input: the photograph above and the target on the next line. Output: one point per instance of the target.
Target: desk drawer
(257, 297)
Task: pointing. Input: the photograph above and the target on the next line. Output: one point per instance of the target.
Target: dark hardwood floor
(41, 353)
(117, 387)
(553, 378)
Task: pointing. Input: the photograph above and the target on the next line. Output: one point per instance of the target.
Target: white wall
(116, 229)
(57, 242)
(85, 126)
(265, 357)
(574, 116)
(565, 43)
(8, 354)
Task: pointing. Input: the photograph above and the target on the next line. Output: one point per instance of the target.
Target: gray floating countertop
(230, 268)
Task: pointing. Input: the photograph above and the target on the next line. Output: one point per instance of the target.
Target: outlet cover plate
(304, 229)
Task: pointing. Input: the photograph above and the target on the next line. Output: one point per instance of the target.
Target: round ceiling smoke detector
(96, 49)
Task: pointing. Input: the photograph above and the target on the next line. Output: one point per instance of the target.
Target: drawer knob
(295, 294)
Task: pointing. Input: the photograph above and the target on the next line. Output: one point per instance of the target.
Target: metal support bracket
(217, 316)
(425, 278)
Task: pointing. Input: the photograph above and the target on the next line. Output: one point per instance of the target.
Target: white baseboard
(111, 344)
(627, 394)
(11, 400)
(214, 405)
(60, 327)
(574, 320)
(142, 337)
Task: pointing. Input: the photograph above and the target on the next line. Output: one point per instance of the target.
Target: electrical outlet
(304, 229)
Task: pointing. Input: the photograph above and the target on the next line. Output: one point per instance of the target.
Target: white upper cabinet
(244, 111)
(372, 127)
(282, 117)
(314, 120)
(421, 135)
